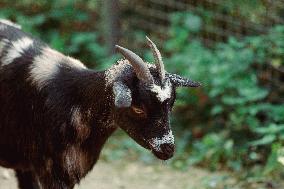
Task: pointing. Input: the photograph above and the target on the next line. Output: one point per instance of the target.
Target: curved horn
(141, 70)
(158, 59)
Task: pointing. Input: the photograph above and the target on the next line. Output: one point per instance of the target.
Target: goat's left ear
(179, 81)
(122, 95)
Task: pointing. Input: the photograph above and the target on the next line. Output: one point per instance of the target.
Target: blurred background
(232, 128)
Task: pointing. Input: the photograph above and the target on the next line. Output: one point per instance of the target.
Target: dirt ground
(135, 175)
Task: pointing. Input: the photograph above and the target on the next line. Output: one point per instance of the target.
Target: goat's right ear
(122, 95)
(179, 81)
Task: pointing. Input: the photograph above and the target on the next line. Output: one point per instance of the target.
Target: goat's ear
(179, 81)
(122, 95)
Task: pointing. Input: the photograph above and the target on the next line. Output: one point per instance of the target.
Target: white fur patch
(46, 66)
(162, 93)
(122, 95)
(150, 65)
(16, 49)
(74, 62)
(166, 139)
(3, 43)
(8, 22)
(115, 71)
(77, 117)
(3, 27)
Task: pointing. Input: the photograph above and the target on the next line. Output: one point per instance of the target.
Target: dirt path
(132, 175)
(135, 175)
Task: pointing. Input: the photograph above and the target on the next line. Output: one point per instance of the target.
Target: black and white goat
(55, 114)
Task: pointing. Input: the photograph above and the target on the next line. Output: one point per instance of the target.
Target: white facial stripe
(115, 71)
(166, 139)
(46, 66)
(16, 49)
(162, 93)
(8, 22)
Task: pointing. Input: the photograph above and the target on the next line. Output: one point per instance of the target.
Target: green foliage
(230, 122)
(238, 123)
(67, 26)
(234, 121)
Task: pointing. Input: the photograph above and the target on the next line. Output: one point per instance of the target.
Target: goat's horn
(158, 59)
(141, 69)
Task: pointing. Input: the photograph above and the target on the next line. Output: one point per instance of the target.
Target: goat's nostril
(168, 148)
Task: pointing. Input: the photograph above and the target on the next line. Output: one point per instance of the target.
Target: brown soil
(136, 175)
(116, 175)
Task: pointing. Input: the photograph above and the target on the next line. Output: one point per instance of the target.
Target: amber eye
(137, 110)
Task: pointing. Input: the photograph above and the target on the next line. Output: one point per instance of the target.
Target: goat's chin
(162, 156)
(164, 151)
(165, 154)
(158, 154)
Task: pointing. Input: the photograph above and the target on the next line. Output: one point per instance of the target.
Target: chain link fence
(219, 20)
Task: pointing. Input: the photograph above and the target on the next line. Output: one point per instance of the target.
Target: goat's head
(144, 95)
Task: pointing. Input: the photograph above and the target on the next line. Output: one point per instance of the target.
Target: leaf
(272, 162)
(267, 139)
(276, 62)
(217, 110)
(271, 129)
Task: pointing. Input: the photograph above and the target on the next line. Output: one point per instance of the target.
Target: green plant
(232, 113)
(50, 21)
(234, 121)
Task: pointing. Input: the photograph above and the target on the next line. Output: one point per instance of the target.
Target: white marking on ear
(162, 93)
(8, 22)
(46, 66)
(166, 139)
(122, 95)
(16, 49)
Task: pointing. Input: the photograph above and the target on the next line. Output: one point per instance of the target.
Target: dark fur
(37, 136)
(36, 133)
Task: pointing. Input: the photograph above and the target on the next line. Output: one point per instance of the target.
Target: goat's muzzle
(165, 152)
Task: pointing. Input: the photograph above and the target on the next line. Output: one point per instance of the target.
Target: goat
(56, 114)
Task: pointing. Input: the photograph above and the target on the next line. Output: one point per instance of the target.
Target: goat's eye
(138, 110)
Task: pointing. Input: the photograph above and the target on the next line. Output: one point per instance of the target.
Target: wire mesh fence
(219, 20)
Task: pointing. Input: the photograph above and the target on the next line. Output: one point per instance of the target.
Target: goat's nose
(168, 148)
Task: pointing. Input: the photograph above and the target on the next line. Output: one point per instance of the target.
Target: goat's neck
(95, 106)
(96, 97)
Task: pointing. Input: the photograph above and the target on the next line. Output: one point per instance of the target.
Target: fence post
(111, 24)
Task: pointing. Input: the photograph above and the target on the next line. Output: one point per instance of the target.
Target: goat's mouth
(163, 151)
